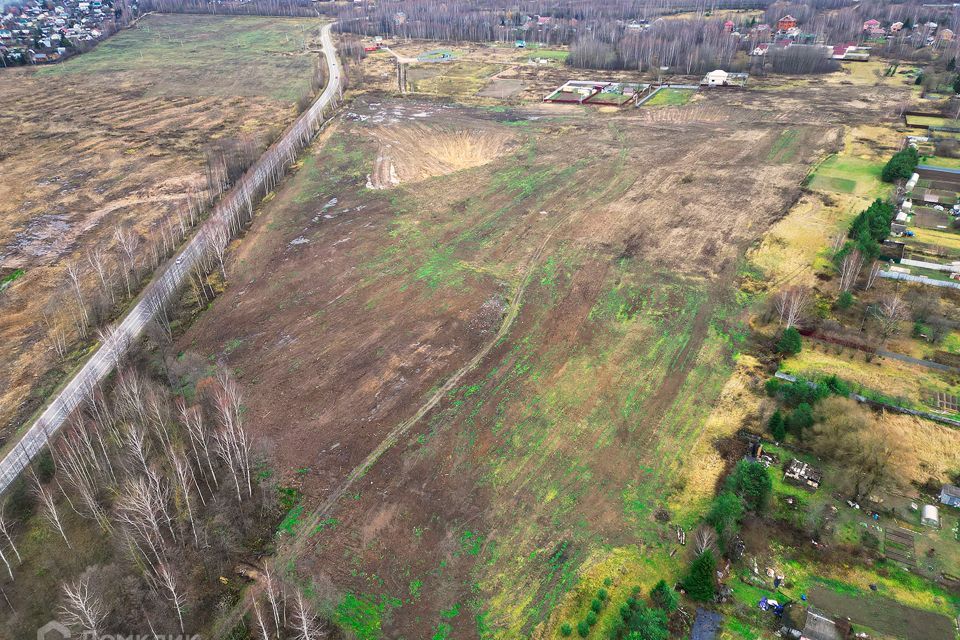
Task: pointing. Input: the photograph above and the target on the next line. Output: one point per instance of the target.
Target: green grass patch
(931, 121)
(9, 279)
(784, 147)
(669, 97)
(844, 174)
(948, 163)
(549, 54)
(206, 55)
(363, 615)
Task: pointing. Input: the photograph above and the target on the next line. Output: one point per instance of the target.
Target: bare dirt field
(117, 136)
(487, 379)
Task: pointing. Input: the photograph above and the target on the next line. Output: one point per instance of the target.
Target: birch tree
(272, 595)
(57, 336)
(127, 242)
(78, 461)
(49, 509)
(232, 443)
(221, 240)
(304, 619)
(261, 623)
(5, 531)
(97, 262)
(874, 272)
(850, 269)
(138, 510)
(75, 274)
(6, 563)
(791, 303)
(173, 593)
(192, 419)
(82, 609)
(891, 311)
(184, 476)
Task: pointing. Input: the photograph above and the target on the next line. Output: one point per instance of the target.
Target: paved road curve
(230, 213)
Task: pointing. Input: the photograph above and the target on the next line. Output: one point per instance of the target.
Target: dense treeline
(286, 8)
(901, 165)
(601, 35)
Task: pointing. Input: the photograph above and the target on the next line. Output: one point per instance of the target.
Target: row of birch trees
(161, 478)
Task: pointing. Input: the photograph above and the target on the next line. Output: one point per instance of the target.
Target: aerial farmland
(543, 337)
(494, 344)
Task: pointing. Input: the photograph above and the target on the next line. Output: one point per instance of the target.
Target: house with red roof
(786, 22)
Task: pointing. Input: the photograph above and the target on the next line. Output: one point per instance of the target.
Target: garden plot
(848, 175)
(884, 615)
(930, 218)
(900, 545)
(670, 97)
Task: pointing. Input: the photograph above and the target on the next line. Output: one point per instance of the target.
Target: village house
(950, 494)
(896, 27)
(721, 78)
(39, 33)
(871, 24)
(786, 22)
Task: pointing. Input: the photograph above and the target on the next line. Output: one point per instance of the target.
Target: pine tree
(800, 419)
(790, 342)
(664, 597)
(777, 426)
(700, 582)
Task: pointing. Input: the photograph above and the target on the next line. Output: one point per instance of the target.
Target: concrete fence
(893, 275)
(936, 417)
(233, 211)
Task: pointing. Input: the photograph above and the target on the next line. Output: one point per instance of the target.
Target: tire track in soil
(302, 539)
(401, 429)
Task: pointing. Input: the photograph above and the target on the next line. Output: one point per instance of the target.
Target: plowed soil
(491, 378)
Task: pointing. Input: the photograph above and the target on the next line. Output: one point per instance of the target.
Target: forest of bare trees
(287, 8)
(599, 33)
(180, 496)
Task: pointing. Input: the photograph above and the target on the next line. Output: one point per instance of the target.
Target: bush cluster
(901, 165)
(790, 343)
(801, 396)
(637, 620)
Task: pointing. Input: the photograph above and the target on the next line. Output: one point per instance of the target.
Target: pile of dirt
(412, 153)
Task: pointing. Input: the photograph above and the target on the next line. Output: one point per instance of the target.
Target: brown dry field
(621, 233)
(86, 150)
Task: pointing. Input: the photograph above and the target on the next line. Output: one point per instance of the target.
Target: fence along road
(230, 214)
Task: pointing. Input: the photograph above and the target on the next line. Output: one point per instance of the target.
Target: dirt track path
(401, 429)
(302, 538)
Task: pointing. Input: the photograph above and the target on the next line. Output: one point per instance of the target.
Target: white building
(930, 516)
(716, 78)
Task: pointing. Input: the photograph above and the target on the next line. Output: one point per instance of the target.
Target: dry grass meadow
(117, 137)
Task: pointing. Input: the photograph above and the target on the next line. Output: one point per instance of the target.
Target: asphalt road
(259, 179)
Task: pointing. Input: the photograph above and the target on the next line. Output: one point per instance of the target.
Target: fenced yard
(848, 175)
